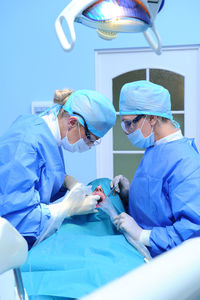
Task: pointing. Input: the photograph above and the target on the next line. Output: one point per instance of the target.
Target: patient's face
(99, 191)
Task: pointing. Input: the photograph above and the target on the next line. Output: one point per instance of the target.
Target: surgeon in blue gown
(84, 254)
(32, 170)
(164, 195)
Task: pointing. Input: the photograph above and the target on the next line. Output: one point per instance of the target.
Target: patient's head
(99, 191)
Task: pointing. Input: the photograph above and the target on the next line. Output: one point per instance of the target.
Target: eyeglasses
(89, 139)
(129, 125)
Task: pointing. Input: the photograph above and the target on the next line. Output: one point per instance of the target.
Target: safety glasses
(129, 126)
(89, 139)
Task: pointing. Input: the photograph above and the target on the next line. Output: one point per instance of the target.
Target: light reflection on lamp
(110, 17)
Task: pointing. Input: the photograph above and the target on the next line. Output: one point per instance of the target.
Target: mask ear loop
(81, 137)
(152, 130)
(79, 130)
(68, 131)
(143, 122)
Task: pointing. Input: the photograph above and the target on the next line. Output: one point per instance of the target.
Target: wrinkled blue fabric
(31, 173)
(84, 254)
(165, 194)
(97, 110)
(145, 98)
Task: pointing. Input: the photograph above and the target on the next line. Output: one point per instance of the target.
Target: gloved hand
(78, 201)
(122, 185)
(88, 205)
(69, 182)
(127, 224)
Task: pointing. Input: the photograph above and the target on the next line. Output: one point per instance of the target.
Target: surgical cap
(146, 98)
(97, 110)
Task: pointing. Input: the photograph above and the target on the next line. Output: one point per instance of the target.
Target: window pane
(120, 139)
(119, 81)
(126, 164)
(180, 119)
(171, 81)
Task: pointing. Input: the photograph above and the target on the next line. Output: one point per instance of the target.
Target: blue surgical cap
(97, 110)
(145, 98)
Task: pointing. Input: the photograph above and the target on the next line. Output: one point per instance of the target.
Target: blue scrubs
(31, 173)
(165, 194)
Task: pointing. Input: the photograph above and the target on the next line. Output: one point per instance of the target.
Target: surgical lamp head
(110, 17)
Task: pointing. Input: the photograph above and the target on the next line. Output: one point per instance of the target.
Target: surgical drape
(84, 254)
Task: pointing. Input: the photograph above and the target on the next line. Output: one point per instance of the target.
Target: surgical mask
(79, 146)
(138, 140)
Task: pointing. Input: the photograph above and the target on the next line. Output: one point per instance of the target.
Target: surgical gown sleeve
(20, 172)
(184, 194)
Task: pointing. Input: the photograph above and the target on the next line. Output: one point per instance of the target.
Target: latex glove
(87, 206)
(127, 224)
(69, 182)
(78, 201)
(122, 186)
(139, 246)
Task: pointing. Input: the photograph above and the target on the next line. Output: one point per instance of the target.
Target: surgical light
(110, 17)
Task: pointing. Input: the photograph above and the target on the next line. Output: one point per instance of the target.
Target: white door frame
(110, 63)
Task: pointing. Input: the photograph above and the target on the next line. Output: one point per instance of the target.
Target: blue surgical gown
(31, 173)
(165, 194)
